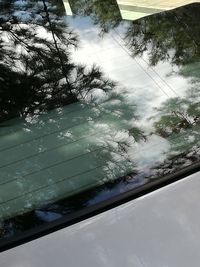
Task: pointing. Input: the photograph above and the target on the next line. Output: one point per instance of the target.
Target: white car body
(159, 229)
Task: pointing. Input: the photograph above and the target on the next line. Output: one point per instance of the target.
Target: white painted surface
(135, 9)
(160, 4)
(161, 229)
(67, 8)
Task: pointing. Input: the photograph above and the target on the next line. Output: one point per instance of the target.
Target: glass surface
(92, 105)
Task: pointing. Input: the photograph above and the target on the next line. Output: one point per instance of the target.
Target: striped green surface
(64, 152)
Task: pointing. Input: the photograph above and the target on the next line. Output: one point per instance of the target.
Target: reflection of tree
(179, 122)
(35, 61)
(170, 36)
(105, 13)
(178, 114)
(174, 116)
(40, 69)
(184, 151)
(109, 148)
(57, 210)
(175, 39)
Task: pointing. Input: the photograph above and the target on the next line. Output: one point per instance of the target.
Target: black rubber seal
(96, 209)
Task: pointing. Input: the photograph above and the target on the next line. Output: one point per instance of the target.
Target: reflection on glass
(85, 116)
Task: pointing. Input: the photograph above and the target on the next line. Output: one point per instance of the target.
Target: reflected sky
(92, 105)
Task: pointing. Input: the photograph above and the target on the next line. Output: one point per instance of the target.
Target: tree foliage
(105, 13)
(36, 70)
(172, 36)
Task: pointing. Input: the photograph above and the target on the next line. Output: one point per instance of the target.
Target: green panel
(60, 149)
